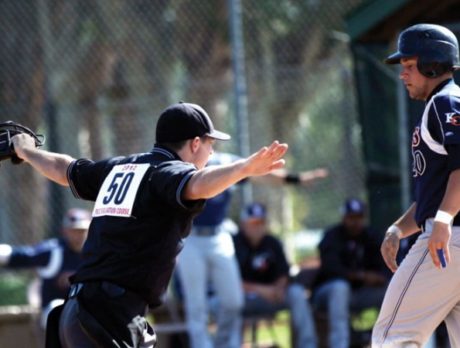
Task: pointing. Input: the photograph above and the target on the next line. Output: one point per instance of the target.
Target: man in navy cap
(352, 273)
(265, 274)
(55, 260)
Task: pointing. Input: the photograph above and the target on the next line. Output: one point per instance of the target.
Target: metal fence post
(239, 86)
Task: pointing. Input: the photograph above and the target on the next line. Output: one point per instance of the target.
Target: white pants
(420, 297)
(211, 258)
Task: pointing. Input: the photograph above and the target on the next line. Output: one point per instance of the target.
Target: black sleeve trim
(181, 186)
(69, 179)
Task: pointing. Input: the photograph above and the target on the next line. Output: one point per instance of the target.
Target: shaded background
(94, 76)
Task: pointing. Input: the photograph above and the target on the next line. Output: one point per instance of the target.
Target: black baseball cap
(183, 121)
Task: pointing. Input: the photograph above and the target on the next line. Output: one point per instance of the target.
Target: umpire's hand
(265, 160)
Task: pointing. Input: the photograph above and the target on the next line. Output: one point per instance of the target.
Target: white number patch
(117, 194)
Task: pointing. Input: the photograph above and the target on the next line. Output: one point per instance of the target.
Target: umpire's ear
(194, 144)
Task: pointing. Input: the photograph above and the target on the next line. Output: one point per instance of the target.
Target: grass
(270, 333)
(13, 288)
(279, 331)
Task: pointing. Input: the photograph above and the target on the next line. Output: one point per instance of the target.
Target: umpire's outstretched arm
(212, 180)
(205, 183)
(52, 165)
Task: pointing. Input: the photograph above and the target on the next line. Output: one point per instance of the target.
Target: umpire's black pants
(70, 331)
(102, 314)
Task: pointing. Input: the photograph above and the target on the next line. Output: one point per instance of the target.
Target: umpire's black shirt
(139, 219)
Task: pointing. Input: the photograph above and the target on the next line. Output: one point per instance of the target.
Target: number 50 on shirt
(118, 191)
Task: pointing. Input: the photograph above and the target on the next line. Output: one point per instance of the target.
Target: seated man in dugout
(352, 275)
(265, 275)
(54, 260)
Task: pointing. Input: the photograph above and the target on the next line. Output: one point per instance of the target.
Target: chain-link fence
(94, 75)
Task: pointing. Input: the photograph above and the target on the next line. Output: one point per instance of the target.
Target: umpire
(144, 207)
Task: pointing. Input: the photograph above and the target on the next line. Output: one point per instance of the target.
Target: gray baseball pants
(420, 297)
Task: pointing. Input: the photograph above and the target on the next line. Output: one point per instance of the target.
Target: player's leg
(192, 272)
(453, 319)
(453, 326)
(334, 296)
(301, 316)
(418, 298)
(225, 277)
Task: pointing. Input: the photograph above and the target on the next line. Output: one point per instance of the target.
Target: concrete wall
(19, 327)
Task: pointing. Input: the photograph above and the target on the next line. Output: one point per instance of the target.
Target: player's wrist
(443, 217)
(395, 230)
(292, 178)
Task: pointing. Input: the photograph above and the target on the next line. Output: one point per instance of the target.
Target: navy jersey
(217, 207)
(139, 219)
(436, 150)
(52, 259)
(263, 264)
(341, 253)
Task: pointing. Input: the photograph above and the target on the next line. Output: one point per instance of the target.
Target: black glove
(9, 129)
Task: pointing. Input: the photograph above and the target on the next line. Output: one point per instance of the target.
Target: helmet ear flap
(432, 69)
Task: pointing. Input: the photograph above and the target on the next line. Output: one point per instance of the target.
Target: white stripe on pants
(420, 297)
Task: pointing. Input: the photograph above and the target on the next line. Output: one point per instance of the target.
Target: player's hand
(270, 293)
(21, 143)
(389, 250)
(266, 160)
(63, 281)
(439, 239)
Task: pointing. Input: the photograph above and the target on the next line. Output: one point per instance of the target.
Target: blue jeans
(301, 314)
(338, 298)
(335, 297)
(211, 258)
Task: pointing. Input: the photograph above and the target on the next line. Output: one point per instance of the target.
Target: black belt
(110, 289)
(74, 290)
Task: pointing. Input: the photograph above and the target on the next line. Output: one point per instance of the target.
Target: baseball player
(265, 273)
(425, 289)
(209, 255)
(54, 259)
(144, 207)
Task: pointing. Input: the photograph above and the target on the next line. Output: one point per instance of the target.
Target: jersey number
(117, 189)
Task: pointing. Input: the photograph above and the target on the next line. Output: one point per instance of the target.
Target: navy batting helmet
(435, 46)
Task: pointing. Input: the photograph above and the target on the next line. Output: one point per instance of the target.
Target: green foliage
(13, 288)
(365, 319)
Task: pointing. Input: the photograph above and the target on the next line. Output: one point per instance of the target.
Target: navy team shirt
(216, 208)
(51, 258)
(264, 263)
(139, 219)
(341, 253)
(436, 149)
